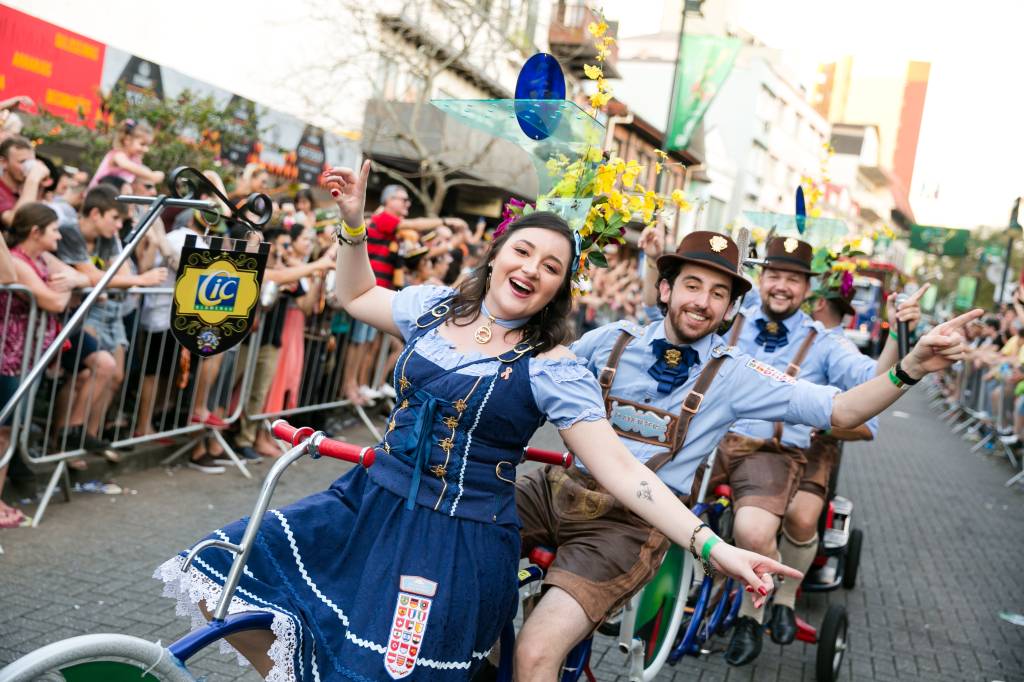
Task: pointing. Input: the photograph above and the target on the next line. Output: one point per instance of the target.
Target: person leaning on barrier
(89, 247)
(10, 517)
(34, 237)
(672, 389)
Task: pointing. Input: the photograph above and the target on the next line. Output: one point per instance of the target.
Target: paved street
(943, 556)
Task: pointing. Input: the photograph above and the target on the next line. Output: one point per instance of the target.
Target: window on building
(646, 161)
(767, 106)
(757, 160)
(716, 214)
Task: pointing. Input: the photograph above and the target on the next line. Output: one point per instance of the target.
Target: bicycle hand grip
(363, 456)
(562, 459)
(286, 432)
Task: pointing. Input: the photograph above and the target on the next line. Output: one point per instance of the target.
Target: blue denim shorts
(362, 332)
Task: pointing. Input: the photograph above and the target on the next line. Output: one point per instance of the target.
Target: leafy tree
(188, 130)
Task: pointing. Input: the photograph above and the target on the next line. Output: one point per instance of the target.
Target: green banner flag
(704, 64)
(943, 241)
(965, 290)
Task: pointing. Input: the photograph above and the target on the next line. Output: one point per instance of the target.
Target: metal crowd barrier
(160, 388)
(979, 407)
(325, 351)
(9, 433)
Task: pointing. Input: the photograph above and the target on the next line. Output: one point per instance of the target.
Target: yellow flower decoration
(599, 99)
(592, 72)
(679, 199)
(597, 29)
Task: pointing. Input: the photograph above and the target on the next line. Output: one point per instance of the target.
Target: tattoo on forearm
(644, 492)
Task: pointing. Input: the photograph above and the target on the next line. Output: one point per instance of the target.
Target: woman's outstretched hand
(349, 191)
(753, 570)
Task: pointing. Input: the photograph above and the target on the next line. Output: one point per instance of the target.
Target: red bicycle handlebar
(562, 459)
(322, 445)
(328, 447)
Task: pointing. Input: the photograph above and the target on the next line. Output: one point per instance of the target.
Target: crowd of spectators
(63, 227)
(990, 381)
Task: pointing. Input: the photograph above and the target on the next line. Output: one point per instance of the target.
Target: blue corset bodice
(455, 437)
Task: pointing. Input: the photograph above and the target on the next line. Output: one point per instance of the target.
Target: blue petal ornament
(541, 78)
(801, 210)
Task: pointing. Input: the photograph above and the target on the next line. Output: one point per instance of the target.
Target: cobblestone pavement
(943, 556)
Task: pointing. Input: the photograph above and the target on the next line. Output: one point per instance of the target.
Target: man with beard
(763, 460)
(672, 389)
(829, 304)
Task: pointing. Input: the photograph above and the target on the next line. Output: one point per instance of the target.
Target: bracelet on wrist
(693, 539)
(893, 335)
(902, 375)
(353, 231)
(895, 379)
(709, 544)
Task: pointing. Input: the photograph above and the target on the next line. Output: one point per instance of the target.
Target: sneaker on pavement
(370, 393)
(206, 464)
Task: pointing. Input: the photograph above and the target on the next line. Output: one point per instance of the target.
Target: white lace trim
(349, 635)
(189, 589)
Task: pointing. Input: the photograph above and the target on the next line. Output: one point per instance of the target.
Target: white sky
(972, 143)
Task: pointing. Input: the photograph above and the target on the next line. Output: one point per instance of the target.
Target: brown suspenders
(794, 367)
(691, 403)
(793, 370)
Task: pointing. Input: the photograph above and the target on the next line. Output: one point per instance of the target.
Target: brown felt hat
(712, 250)
(789, 253)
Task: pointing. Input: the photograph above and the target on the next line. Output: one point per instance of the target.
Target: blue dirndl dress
(407, 569)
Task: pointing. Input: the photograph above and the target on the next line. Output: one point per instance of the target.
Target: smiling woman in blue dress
(409, 569)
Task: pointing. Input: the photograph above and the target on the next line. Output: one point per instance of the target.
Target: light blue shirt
(857, 369)
(563, 389)
(829, 362)
(743, 388)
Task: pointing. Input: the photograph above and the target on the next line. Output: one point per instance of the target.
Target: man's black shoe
(783, 624)
(745, 644)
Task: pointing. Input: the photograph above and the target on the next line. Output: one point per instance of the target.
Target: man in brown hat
(764, 461)
(672, 389)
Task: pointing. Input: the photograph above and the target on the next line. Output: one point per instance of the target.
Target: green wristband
(894, 379)
(705, 551)
(894, 335)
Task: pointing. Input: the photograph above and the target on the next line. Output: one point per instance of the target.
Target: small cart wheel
(831, 644)
(852, 561)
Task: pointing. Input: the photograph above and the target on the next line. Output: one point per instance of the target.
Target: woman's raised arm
(355, 286)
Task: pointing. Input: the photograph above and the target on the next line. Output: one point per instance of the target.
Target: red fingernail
(762, 591)
(748, 588)
(335, 193)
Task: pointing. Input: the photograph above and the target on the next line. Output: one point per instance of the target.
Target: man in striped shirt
(381, 245)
